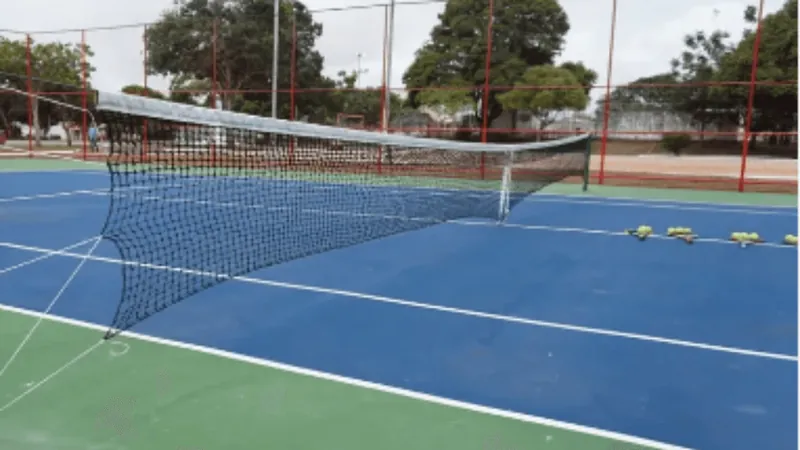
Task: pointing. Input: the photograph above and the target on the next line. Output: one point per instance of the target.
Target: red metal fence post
(84, 94)
(486, 89)
(751, 97)
(29, 73)
(145, 144)
(607, 105)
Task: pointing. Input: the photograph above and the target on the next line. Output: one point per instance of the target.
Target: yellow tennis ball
(753, 236)
(671, 230)
(736, 236)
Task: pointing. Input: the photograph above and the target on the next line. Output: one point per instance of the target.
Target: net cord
(93, 122)
(177, 112)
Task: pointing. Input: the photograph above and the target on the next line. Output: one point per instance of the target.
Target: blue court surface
(556, 314)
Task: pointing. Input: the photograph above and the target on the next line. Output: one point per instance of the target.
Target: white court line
(21, 198)
(432, 221)
(609, 201)
(571, 198)
(46, 255)
(52, 375)
(611, 233)
(420, 219)
(665, 201)
(425, 306)
(97, 191)
(571, 427)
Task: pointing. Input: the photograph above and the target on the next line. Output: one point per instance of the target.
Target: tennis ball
(790, 239)
(671, 231)
(753, 237)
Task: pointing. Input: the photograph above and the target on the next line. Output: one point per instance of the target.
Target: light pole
(388, 52)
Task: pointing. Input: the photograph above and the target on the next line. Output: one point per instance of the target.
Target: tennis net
(199, 195)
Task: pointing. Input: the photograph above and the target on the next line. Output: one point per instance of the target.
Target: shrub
(675, 143)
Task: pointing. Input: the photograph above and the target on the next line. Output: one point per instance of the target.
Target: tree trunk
(65, 125)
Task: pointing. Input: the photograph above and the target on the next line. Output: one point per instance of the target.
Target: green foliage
(535, 93)
(775, 105)
(675, 143)
(715, 59)
(181, 44)
(698, 64)
(365, 102)
(137, 89)
(526, 33)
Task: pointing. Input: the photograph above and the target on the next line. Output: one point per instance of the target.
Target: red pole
(29, 72)
(84, 105)
(293, 68)
(751, 96)
(607, 105)
(486, 92)
(292, 81)
(213, 82)
(145, 145)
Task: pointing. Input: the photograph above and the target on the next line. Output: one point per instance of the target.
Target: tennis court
(553, 331)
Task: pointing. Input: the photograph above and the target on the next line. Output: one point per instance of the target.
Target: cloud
(648, 33)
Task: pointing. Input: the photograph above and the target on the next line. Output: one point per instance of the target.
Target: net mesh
(199, 196)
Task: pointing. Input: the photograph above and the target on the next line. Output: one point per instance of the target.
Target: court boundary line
(355, 382)
(590, 231)
(45, 256)
(433, 307)
(644, 202)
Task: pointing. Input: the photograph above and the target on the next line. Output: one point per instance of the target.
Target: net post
(587, 163)
(505, 189)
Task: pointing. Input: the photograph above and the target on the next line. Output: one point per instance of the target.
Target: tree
(775, 105)
(181, 44)
(698, 65)
(12, 61)
(585, 76)
(546, 101)
(367, 102)
(525, 33)
(137, 89)
(58, 70)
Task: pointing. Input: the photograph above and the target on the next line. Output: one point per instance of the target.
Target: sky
(648, 33)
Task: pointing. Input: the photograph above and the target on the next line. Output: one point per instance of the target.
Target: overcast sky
(648, 34)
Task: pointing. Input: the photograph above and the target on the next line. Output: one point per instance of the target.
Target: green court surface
(159, 395)
(142, 392)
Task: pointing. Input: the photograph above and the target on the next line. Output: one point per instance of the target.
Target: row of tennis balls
(789, 239)
(643, 231)
(646, 230)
